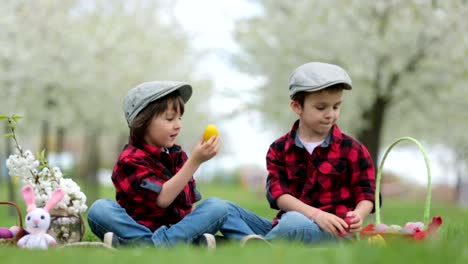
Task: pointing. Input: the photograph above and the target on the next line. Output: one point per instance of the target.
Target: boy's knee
(101, 208)
(294, 226)
(212, 201)
(215, 206)
(294, 218)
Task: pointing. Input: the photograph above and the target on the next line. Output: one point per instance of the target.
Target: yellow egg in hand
(210, 131)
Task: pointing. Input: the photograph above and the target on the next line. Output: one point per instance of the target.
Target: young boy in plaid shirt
(153, 178)
(318, 177)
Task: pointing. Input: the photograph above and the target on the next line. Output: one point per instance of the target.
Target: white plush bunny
(38, 220)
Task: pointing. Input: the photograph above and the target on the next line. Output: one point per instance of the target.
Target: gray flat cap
(315, 76)
(140, 96)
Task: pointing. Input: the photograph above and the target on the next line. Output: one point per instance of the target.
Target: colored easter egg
(381, 228)
(376, 240)
(210, 131)
(394, 228)
(348, 221)
(414, 225)
(5, 233)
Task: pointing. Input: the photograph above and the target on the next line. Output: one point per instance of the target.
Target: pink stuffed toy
(38, 220)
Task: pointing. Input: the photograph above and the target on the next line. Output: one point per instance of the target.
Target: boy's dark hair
(300, 96)
(156, 108)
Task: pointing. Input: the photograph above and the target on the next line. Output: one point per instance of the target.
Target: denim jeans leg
(207, 217)
(294, 226)
(105, 216)
(242, 222)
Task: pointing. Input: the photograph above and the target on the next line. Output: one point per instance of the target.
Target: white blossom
(45, 181)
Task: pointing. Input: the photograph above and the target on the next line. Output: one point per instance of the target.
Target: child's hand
(331, 223)
(205, 150)
(354, 221)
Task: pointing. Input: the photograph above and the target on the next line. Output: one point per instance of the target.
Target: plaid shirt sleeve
(141, 183)
(363, 174)
(277, 184)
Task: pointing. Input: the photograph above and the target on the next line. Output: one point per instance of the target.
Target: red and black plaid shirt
(335, 177)
(138, 176)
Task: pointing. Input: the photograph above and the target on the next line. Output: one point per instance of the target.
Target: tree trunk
(90, 164)
(371, 134)
(460, 185)
(11, 186)
(60, 144)
(4, 155)
(458, 188)
(45, 130)
(121, 142)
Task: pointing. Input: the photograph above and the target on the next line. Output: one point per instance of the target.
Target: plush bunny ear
(28, 196)
(57, 195)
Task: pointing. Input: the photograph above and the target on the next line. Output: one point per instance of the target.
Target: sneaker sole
(210, 241)
(251, 239)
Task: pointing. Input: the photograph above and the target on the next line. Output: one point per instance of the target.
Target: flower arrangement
(34, 170)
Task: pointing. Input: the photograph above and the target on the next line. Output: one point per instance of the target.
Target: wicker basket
(21, 233)
(377, 232)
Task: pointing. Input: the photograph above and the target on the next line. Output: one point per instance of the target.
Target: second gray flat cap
(315, 76)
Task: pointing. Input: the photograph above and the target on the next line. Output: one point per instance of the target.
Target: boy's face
(319, 113)
(164, 128)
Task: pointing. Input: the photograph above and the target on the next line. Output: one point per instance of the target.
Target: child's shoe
(111, 240)
(208, 240)
(253, 239)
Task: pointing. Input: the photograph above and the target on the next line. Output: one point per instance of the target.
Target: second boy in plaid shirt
(318, 176)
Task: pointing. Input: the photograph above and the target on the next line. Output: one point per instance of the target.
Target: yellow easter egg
(210, 131)
(377, 240)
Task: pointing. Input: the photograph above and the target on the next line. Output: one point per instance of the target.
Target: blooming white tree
(404, 57)
(73, 61)
(68, 64)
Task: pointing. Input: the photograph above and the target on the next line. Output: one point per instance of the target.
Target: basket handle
(427, 208)
(18, 211)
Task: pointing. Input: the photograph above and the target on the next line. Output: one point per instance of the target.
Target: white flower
(57, 172)
(45, 181)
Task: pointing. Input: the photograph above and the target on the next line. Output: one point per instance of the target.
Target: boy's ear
(296, 107)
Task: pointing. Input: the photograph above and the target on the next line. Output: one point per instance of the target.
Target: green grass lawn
(450, 247)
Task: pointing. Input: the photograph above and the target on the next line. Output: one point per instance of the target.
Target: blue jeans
(210, 216)
(108, 216)
(294, 226)
(241, 222)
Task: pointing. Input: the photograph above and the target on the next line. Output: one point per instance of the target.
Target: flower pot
(66, 228)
